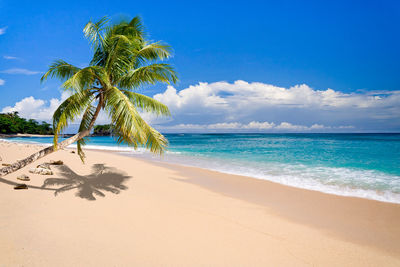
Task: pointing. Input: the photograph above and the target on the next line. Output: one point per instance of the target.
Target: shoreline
(298, 204)
(293, 203)
(163, 210)
(24, 135)
(322, 188)
(166, 163)
(38, 135)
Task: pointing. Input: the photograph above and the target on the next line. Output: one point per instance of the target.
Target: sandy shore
(24, 135)
(121, 211)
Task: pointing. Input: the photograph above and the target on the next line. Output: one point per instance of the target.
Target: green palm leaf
(86, 78)
(68, 111)
(129, 125)
(87, 118)
(123, 61)
(147, 104)
(61, 70)
(94, 32)
(146, 75)
(153, 51)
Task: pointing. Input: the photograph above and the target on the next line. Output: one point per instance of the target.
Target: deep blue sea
(362, 165)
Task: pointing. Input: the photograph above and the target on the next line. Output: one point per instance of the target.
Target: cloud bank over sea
(253, 106)
(264, 107)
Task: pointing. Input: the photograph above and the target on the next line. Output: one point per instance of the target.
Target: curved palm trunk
(40, 154)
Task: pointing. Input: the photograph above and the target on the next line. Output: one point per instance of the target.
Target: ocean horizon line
(266, 133)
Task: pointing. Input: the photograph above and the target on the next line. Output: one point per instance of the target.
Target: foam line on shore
(282, 174)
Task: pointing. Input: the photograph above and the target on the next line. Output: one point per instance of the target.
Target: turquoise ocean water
(362, 165)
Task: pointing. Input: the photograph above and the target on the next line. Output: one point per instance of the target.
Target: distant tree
(11, 123)
(105, 129)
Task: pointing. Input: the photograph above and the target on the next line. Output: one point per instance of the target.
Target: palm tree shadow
(102, 179)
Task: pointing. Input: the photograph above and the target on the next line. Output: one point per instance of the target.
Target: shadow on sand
(102, 179)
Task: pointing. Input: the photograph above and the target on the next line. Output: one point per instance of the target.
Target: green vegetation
(11, 123)
(123, 61)
(105, 129)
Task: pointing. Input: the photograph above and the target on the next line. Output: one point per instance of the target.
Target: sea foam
(358, 165)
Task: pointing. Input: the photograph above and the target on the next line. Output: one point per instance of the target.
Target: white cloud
(42, 110)
(257, 107)
(288, 108)
(10, 57)
(3, 30)
(289, 126)
(20, 71)
(38, 109)
(259, 125)
(251, 126)
(240, 92)
(2, 82)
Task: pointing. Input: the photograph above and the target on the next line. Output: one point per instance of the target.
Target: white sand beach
(122, 211)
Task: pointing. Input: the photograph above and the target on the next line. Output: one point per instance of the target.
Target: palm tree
(123, 61)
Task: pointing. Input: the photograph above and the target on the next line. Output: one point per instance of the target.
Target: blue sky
(251, 66)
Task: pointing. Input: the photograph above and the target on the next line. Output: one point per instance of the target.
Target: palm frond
(124, 116)
(85, 125)
(150, 74)
(153, 51)
(61, 70)
(120, 54)
(94, 32)
(147, 103)
(68, 111)
(155, 141)
(129, 126)
(132, 29)
(120, 39)
(86, 78)
(123, 58)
